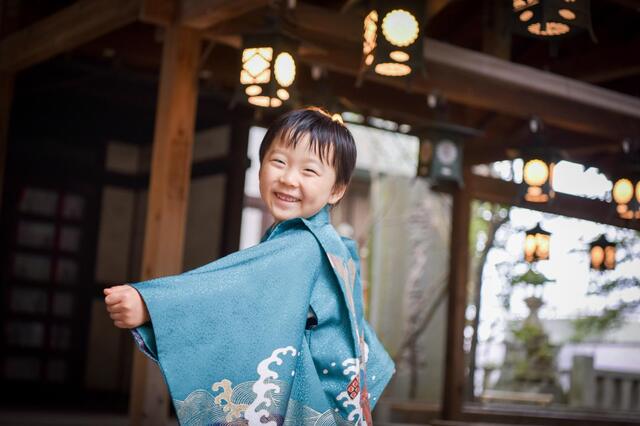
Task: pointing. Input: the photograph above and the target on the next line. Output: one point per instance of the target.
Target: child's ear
(337, 193)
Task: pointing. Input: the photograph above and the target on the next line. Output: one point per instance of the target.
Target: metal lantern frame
(441, 153)
(261, 86)
(602, 254)
(551, 19)
(379, 51)
(537, 244)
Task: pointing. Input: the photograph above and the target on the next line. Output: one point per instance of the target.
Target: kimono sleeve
(223, 318)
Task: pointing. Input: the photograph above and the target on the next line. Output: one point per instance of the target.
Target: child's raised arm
(125, 306)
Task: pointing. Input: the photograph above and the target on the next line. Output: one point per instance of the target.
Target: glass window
(553, 333)
(38, 201)
(22, 368)
(35, 234)
(70, 238)
(72, 206)
(31, 267)
(62, 304)
(66, 271)
(28, 301)
(26, 334)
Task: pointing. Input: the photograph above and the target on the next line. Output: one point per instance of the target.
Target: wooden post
(168, 196)
(6, 97)
(454, 376)
(234, 186)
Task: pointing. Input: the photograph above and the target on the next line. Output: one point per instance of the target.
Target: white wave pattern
(261, 387)
(352, 370)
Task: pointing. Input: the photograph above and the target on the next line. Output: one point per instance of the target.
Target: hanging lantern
(392, 38)
(626, 195)
(603, 254)
(538, 176)
(441, 153)
(536, 244)
(268, 69)
(548, 19)
(539, 160)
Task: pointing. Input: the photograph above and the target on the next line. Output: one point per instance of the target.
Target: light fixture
(626, 194)
(392, 38)
(603, 254)
(548, 19)
(626, 187)
(441, 153)
(268, 68)
(536, 244)
(538, 164)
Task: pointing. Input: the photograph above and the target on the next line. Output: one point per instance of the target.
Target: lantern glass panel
(400, 28)
(529, 247)
(597, 257)
(542, 246)
(622, 191)
(285, 69)
(610, 257)
(536, 172)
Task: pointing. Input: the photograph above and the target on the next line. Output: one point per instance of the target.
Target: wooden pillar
(454, 376)
(234, 186)
(6, 97)
(496, 34)
(168, 196)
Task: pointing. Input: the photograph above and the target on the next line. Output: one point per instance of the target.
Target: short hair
(325, 132)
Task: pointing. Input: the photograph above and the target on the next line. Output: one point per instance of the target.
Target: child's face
(294, 182)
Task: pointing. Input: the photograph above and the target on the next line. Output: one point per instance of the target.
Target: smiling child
(274, 334)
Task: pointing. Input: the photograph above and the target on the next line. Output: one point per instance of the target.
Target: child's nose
(289, 177)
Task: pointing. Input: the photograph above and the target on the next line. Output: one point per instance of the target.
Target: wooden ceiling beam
(65, 30)
(202, 14)
(503, 192)
(602, 64)
(481, 81)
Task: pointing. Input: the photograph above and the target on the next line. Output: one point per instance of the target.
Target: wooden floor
(25, 418)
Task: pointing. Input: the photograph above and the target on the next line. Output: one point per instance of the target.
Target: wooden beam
(454, 374)
(496, 34)
(434, 7)
(481, 81)
(73, 26)
(503, 192)
(6, 98)
(202, 14)
(168, 197)
(234, 186)
(602, 63)
(159, 12)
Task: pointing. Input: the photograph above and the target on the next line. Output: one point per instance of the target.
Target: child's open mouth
(287, 198)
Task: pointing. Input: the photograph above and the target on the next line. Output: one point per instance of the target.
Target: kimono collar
(317, 220)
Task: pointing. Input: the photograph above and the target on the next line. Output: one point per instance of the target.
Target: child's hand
(125, 306)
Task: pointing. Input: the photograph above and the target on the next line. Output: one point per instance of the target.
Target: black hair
(325, 133)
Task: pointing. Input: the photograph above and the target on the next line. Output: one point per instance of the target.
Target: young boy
(273, 334)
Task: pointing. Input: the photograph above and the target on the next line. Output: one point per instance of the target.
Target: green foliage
(531, 277)
(537, 365)
(528, 333)
(593, 325)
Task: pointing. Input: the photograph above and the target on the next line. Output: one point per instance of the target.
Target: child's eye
(311, 171)
(278, 161)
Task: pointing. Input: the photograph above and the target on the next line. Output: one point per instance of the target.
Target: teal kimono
(233, 341)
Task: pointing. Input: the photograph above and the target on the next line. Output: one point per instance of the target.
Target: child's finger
(116, 316)
(113, 298)
(117, 288)
(117, 308)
